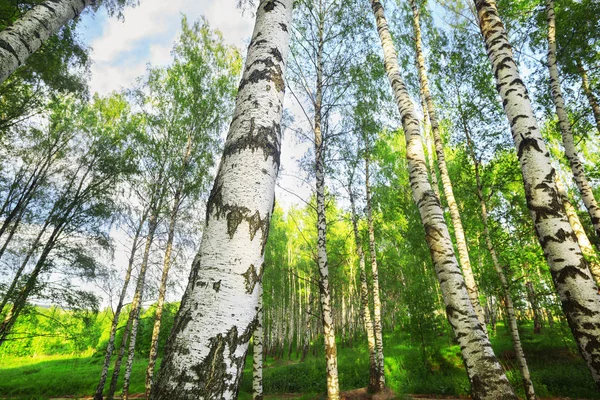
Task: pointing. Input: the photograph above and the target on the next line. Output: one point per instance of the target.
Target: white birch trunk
(486, 375)
(377, 326)
(28, 33)
(564, 124)
(570, 273)
(205, 354)
(374, 380)
(257, 350)
(333, 386)
(459, 232)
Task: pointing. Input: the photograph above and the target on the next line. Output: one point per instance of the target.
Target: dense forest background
(103, 202)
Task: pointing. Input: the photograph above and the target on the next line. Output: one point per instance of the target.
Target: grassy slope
(556, 371)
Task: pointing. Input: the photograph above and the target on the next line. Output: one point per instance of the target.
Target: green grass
(556, 369)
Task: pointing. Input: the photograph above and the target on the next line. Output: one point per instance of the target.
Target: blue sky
(122, 48)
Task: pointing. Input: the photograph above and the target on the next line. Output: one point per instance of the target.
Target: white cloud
(123, 48)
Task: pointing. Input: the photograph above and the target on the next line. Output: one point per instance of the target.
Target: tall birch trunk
(205, 354)
(257, 350)
(587, 195)
(585, 84)
(513, 327)
(459, 233)
(110, 347)
(488, 380)
(138, 297)
(333, 386)
(584, 242)
(374, 381)
(27, 34)
(375, 270)
(577, 290)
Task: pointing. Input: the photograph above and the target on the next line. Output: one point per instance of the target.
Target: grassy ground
(557, 371)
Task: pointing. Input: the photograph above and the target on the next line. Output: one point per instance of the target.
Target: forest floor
(412, 371)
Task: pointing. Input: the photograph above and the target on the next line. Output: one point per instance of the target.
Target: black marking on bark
(571, 271)
(217, 286)
(271, 72)
(250, 279)
(283, 27)
(265, 138)
(528, 144)
(6, 46)
(270, 5)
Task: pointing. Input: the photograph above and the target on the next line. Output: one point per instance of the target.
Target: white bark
(584, 242)
(486, 375)
(374, 380)
(572, 279)
(377, 326)
(565, 125)
(205, 354)
(257, 350)
(27, 34)
(459, 232)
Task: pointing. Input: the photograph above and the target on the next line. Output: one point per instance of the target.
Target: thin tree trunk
(587, 195)
(257, 350)
(375, 270)
(333, 386)
(429, 145)
(30, 252)
(572, 279)
(27, 34)
(459, 233)
(21, 299)
(584, 242)
(205, 354)
(488, 380)
(585, 84)
(117, 369)
(537, 315)
(364, 299)
(138, 297)
(115, 322)
(510, 309)
(166, 266)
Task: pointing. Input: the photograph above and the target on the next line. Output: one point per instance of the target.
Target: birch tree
(564, 123)
(26, 35)
(488, 380)
(206, 351)
(459, 233)
(570, 273)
